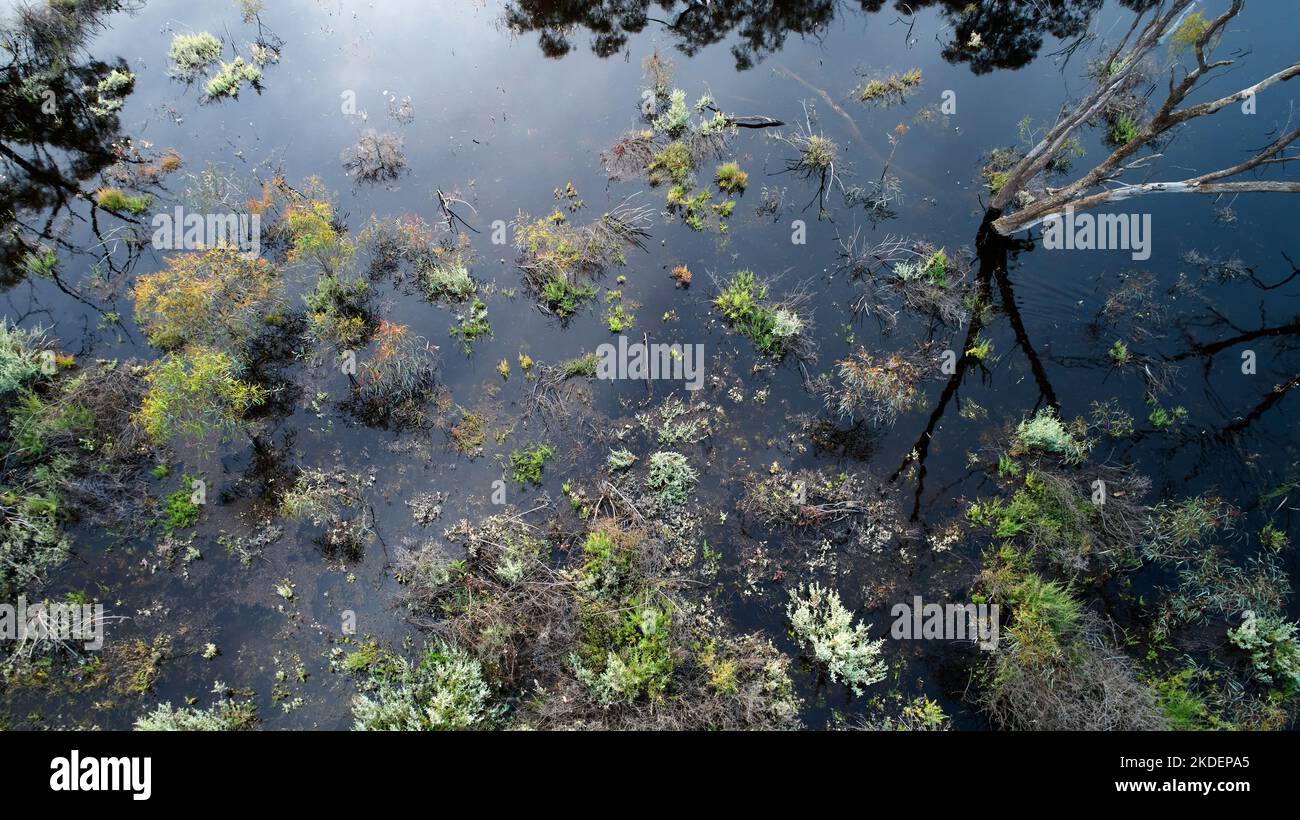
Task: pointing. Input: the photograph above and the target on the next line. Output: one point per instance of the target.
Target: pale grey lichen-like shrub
(20, 356)
(1044, 431)
(445, 690)
(226, 716)
(671, 477)
(826, 628)
(1273, 649)
(620, 459)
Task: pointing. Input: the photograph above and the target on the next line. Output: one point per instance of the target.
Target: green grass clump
(192, 54)
(773, 330)
(526, 464)
(584, 365)
(673, 163)
(114, 199)
(42, 265)
(230, 78)
(1046, 613)
(730, 178)
(563, 297)
(1124, 129)
(473, 326)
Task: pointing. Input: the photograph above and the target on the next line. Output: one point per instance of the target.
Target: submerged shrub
(557, 258)
(395, 383)
(473, 325)
(338, 311)
(825, 627)
(445, 690)
(878, 390)
(375, 158)
(889, 90)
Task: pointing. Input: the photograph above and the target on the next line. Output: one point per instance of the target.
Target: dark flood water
(510, 103)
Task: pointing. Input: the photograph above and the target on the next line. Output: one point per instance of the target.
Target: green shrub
(620, 459)
(193, 393)
(638, 655)
(447, 281)
(526, 464)
(673, 164)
